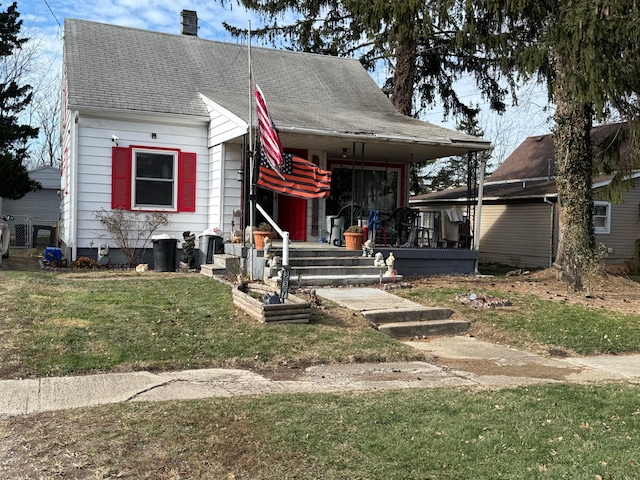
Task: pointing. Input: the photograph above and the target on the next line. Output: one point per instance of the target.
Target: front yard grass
(530, 319)
(79, 323)
(539, 432)
(69, 324)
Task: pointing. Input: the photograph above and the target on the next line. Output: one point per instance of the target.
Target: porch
(320, 263)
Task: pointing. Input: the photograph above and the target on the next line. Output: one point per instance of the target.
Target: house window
(601, 216)
(155, 174)
(372, 188)
(153, 179)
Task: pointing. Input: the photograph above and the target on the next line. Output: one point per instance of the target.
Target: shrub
(131, 231)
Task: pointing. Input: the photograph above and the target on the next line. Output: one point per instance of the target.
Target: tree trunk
(574, 158)
(404, 75)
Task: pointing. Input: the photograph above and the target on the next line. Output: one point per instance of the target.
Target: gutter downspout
(476, 236)
(551, 229)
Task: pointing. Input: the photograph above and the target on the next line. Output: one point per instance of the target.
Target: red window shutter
(187, 182)
(120, 178)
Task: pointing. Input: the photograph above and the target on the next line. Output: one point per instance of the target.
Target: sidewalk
(466, 354)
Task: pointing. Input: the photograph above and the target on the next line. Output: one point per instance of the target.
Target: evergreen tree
(14, 98)
(415, 41)
(587, 53)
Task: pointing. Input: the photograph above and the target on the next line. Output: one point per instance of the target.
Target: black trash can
(164, 254)
(209, 246)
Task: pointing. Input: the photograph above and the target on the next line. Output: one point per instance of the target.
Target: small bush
(85, 263)
(131, 231)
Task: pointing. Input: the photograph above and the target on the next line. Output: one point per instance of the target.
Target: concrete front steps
(332, 266)
(223, 264)
(416, 321)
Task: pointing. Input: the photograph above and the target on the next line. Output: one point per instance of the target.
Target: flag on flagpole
(297, 178)
(269, 138)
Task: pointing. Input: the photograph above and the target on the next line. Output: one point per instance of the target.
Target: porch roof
(316, 101)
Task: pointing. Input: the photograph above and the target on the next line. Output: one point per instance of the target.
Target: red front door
(292, 216)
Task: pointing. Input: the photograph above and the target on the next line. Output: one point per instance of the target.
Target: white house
(156, 121)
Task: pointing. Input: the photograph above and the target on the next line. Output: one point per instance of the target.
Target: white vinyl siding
(94, 169)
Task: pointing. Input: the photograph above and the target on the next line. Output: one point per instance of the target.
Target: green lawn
(58, 324)
(78, 323)
(542, 432)
(586, 331)
(66, 324)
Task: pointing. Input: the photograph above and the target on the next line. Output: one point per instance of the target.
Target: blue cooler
(52, 254)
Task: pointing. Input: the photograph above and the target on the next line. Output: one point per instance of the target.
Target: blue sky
(44, 20)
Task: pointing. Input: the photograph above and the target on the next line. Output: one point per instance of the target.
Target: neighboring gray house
(36, 214)
(156, 121)
(519, 219)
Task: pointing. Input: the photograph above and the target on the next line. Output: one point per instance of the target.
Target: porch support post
(476, 235)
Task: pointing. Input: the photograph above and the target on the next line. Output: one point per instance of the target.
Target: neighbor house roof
(529, 172)
(127, 69)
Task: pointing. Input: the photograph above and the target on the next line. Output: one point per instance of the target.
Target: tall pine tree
(14, 98)
(415, 41)
(587, 53)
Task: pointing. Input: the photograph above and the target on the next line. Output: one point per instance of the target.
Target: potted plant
(261, 232)
(353, 237)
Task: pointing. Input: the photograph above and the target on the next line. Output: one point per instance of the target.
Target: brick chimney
(189, 22)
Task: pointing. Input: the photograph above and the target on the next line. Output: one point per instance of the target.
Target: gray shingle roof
(121, 68)
(530, 170)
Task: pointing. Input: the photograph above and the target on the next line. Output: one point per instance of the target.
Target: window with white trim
(153, 179)
(155, 173)
(601, 216)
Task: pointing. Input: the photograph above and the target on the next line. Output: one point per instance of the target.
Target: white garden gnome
(267, 247)
(378, 260)
(390, 261)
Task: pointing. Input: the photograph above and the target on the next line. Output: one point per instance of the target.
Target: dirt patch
(23, 259)
(489, 367)
(612, 292)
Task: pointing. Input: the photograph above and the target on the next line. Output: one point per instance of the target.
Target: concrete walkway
(18, 397)
(365, 298)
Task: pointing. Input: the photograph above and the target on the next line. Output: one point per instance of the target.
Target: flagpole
(252, 193)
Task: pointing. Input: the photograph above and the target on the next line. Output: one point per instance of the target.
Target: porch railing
(284, 234)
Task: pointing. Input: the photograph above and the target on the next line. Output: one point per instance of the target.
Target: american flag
(298, 177)
(268, 134)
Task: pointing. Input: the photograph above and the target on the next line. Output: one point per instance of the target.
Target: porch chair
(345, 213)
(404, 220)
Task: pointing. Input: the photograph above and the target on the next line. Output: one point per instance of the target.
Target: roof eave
(121, 112)
(359, 136)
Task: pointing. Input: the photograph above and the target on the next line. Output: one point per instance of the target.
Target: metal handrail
(283, 234)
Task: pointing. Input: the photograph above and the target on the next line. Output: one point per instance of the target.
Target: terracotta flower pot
(353, 241)
(258, 238)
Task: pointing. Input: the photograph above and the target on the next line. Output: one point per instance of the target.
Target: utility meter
(103, 254)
